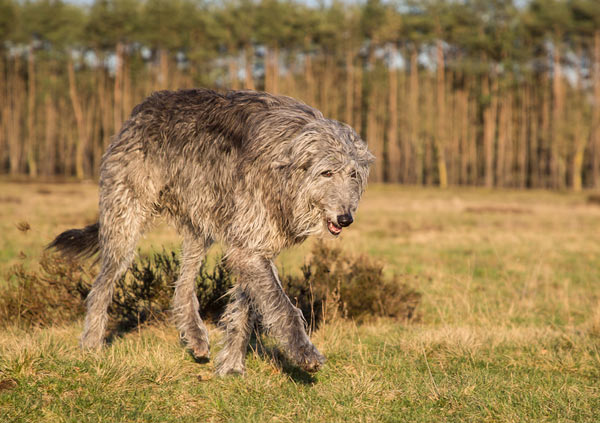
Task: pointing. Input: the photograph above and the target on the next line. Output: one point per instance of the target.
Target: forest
(491, 93)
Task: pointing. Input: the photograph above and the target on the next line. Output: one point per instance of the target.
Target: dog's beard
(313, 223)
(322, 229)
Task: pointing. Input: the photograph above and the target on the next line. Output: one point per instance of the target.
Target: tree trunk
(580, 133)
(49, 163)
(380, 130)
(373, 139)
(501, 145)
(413, 110)
(522, 139)
(440, 143)
(534, 134)
(578, 158)
(429, 128)
(126, 93)
(249, 77)
(268, 70)
(272, 70)
(509, 178)
(118, 92)
(474, 176)
(557, 163)
(288, 83)
(106, 128)
(163, 72)
(327, 101)
(81, 140)
(394, 155)
(407, 159)
(454, 124)
(349, 106)
(489, 125)
(233, 69)
(89, 127)
(451, 134)
(544, 138)
(275, 60)
(15, 112)
(333, 76)
(358, 98)
(464, 133)
(64, 126)
(30, 141)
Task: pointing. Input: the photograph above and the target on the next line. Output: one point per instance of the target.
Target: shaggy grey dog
(258, 172)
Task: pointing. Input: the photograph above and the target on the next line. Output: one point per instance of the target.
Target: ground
(509, 326)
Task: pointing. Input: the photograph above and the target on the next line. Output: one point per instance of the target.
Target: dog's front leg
(257, 276)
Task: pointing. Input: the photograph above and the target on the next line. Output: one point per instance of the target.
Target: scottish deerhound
(258, 172)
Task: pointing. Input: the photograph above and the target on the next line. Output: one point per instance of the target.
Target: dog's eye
(327, 174)
(353, 174)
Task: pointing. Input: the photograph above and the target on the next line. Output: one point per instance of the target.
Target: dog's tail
(77, 243)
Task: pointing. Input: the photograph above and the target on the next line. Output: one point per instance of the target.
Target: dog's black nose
(345, 220)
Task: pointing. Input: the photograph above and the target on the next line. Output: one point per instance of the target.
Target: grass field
(509, 326)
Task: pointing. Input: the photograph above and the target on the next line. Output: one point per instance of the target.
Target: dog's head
(328, 163)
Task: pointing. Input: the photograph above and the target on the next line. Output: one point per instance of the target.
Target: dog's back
(230, 121)
(196, 156)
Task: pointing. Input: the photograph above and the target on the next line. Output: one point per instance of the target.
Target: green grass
(509, 328)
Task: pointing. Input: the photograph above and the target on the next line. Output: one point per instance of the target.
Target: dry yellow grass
(510, 327)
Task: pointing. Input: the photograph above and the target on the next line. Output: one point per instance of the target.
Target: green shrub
(54, 294)
(145, 293)
(332, 284)
(337, 284)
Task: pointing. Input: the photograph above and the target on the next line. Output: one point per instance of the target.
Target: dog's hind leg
(237, 322)
(122, 222)
(185, 302)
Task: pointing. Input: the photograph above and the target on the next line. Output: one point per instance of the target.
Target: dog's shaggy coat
(258, 172)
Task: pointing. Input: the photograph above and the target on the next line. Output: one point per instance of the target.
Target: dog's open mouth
(333, 228)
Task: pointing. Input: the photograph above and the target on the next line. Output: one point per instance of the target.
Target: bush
(336, 284)
(54, 294)
(145, 295)
(332, 284)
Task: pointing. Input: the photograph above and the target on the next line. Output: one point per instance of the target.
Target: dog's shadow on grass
(118, 331)
(276, 356)
(268, 352)
(118, 328)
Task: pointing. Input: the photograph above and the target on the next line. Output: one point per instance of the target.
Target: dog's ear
(298, 153)
(368, 157)
(290, 163)
(280, 164)
(284, 159)
(364, 155)
(282, 156)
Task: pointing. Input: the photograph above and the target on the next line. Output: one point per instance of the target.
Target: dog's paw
(228, 364)
(91, 342)
(225, 369)
(309, 358)
(200, 350)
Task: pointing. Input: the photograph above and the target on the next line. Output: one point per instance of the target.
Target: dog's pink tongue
(334, 228)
